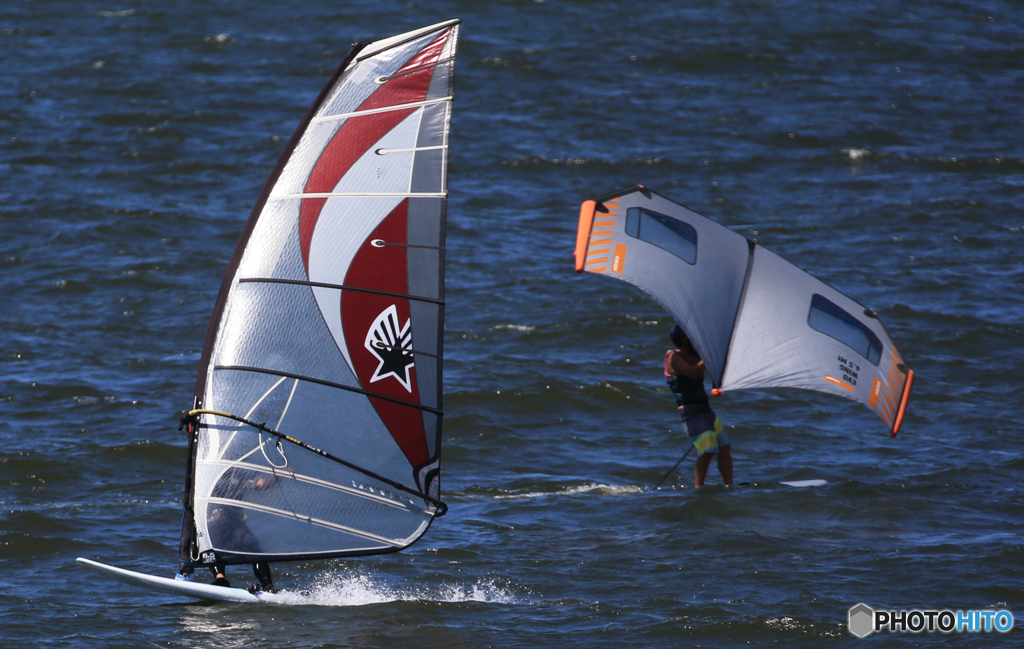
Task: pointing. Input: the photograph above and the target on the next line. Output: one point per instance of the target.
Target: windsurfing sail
(316, 425)
(756, 320)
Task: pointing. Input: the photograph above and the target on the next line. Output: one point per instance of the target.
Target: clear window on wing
(667, 233)
(833, 321)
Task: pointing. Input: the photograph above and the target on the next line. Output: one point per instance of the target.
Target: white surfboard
(806, 483)
(175, 586)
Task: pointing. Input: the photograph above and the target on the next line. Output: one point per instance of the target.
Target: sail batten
(439, 147)
(757, 320)
(311, 480)
(398, 543)
(330, 384)
(328, 324)
(307, 195)
(380, 109)
(339, 287)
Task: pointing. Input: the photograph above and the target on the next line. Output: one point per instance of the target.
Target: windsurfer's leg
(219, 574)
(262, 571)
(701, 470)
(725, 463)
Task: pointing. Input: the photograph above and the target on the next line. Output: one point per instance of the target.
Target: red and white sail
(328, 328)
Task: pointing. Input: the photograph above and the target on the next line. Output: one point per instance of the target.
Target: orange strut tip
(583, 233)
(903, 404)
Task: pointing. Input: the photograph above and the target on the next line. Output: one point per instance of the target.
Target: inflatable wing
(757, 320)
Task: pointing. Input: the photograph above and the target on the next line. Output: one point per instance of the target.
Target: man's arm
(688, 365)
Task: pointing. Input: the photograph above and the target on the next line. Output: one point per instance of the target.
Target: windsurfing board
(806, 483)
(175, 586)
(800, 484)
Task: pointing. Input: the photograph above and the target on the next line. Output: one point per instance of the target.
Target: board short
(704, 429)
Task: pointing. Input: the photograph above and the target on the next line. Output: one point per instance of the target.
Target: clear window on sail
(667, 233)
(833, 321)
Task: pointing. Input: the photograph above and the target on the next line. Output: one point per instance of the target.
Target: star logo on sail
(391, 345)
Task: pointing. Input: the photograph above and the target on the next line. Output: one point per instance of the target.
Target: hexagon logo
(862, 620)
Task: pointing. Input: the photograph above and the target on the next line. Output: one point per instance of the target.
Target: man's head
(679, 337)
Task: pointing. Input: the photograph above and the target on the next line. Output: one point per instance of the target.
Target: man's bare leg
(701, 470)
(725, 463)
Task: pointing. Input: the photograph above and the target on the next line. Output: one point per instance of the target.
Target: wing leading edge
(757, 320)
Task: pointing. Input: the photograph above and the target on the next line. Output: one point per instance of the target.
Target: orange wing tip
(903, 404)
(583, 233)
(715, 392)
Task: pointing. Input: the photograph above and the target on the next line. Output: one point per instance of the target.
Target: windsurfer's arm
(688, 365)
(264, 482)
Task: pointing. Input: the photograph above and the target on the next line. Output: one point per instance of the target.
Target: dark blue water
(875, 144)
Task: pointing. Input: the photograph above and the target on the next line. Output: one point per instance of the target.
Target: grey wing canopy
(757, 320)
(316, 430)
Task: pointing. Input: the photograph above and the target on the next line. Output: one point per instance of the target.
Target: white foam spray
(351, 588)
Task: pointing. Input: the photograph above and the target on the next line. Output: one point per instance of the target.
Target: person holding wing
(684, 372)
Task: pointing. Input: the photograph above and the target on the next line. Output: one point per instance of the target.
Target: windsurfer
(684, 371)
(228, 528)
